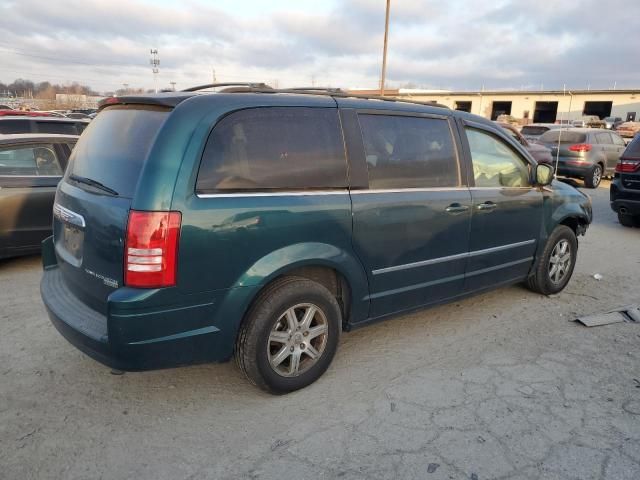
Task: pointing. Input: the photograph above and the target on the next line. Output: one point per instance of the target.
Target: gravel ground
(501, 385)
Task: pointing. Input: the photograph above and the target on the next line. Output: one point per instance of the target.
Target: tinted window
(15, 126)
(564, 135)
(115, 145)
(285, 148)
(603, 138)
(409, 152)
(633, 149)
(32, 160)
(495, 164)
(528, 130)
(65, 128)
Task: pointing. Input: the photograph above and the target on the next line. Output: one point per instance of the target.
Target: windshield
(565, 136)
(113, 148)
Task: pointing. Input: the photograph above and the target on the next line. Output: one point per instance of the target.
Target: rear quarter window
(274, 148)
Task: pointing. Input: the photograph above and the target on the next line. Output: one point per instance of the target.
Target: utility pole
(213, 75)
(384, 50)
(173, 86)
(155, 63)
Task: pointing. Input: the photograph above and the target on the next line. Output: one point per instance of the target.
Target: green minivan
(194, 226)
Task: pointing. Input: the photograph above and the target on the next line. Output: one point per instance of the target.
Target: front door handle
(487, 206)
(456, 208)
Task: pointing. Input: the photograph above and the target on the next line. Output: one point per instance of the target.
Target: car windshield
(563, 136)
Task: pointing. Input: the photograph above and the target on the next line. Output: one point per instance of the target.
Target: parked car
(30, 168)
(40, 124)
(625, 187)
(586, 121)
(585, 153)
(191, 227)
(541, 153)
(611, 123)
(628, 129)
(505, 118)
(534, 131)
(23, 113)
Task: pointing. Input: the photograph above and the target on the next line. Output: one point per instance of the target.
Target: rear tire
(593, 179)
(554, 268)
(628, 220)
(276, 349)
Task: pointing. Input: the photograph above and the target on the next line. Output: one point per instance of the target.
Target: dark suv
(33, 124)
(191, 226)
(625, 187)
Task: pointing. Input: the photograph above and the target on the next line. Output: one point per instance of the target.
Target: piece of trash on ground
(629, 313)
(598, 276)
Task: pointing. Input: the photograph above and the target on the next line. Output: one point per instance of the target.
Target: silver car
(586, 153)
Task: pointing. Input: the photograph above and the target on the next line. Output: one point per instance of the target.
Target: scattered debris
(598, 276)
(393, 407)
(432, 467)
(474, 476)
(115, 371)
(27, 435)
(628, 313)
(279, 443)
(526, 390)
(481, 439)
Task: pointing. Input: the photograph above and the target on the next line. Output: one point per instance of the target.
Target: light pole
(384, 50)
(155, 63)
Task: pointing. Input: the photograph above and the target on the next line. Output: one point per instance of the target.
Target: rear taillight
(627, 166)
(580, 147)
(151, 249)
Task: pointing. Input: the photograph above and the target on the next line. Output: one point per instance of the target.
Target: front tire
(555, 267)
(289, 336)
(593, 179)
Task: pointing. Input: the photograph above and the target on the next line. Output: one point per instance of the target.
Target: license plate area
(72, 241)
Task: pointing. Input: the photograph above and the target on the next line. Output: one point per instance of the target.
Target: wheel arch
(336, 269)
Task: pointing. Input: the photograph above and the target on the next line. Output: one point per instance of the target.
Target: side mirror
(544, 174)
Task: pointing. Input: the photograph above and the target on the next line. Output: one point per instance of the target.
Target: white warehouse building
(545, 106)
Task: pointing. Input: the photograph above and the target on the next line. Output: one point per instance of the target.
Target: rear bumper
(133, 336)
(624, 199)
(579, 171)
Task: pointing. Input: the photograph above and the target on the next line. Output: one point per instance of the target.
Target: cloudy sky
(452, 44)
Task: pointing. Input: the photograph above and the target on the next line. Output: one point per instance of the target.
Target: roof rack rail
(259, 85)
(337, 92)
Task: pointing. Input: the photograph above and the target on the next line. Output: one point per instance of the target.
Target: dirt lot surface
(502, 385)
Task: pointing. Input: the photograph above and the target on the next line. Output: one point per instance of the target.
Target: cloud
(460, 44)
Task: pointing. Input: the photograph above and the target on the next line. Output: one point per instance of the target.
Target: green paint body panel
(387, 246)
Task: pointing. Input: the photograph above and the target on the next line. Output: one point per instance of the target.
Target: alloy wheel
(597, 175)
(297, 340)
(560, 262)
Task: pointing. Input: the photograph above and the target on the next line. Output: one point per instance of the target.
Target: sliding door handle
(456, 208)
(486, 206)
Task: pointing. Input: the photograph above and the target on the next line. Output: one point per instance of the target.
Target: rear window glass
(633, 149)
(274, 148)
(113, 148)
(565, 136)
(409, 152)
(65, 128)
(15, 126)
(527, 130)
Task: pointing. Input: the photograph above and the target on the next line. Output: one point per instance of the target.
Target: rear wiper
(93, 183)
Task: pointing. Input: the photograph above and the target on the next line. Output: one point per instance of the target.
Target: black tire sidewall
(589, 180)
(560, 233)
(265, 315)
